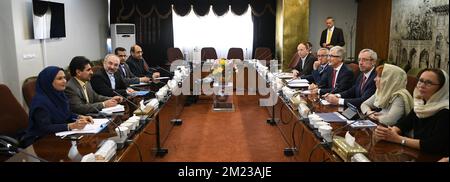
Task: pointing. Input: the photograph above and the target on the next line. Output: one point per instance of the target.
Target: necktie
(112, 80)
(85, 93)
(329, 36)
(333, 81)
(123, 70)
(363, 82)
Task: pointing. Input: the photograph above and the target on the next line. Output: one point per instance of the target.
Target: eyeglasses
(365, 59)
(333, 56)
(427, 83)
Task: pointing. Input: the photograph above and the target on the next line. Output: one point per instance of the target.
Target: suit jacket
(129, 78)
(355, 95)
(77, 100)
(316, 75)
(102, 85)
(344, 80)
(139, 67)
(308, 66)
(337, 38)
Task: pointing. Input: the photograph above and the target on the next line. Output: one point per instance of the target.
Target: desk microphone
(165, 70)
(357, 120)
(109, 119)
(132, 103)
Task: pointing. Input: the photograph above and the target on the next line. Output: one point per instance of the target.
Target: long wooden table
(299, 135)
(141, 145)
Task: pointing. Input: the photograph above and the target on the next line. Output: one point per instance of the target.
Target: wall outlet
(29, 56)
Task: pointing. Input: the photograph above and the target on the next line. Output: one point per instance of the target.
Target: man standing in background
(331, 36)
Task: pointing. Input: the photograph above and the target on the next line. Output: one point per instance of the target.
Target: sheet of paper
(299, 84)
(324, 102)
(110, 110)
(96, 127)
(161, 78)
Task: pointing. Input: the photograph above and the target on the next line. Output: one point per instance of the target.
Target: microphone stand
(159, 151)
(119, 141)
(335, 132)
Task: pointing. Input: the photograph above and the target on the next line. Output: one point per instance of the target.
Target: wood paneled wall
(373, 26)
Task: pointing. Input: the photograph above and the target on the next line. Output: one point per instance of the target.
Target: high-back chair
(411, 84)
(355, 68)
(235, 53)
(263, 53)
(208, 53)
(29, 89)
(173, 54)
(13, 118)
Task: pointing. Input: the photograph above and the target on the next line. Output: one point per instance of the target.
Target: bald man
(107, 80)
(138, 65)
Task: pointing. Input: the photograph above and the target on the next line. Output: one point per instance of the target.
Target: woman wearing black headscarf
(49, 111)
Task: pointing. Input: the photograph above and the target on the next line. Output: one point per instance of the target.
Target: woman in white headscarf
(391, 100)
(429, 119)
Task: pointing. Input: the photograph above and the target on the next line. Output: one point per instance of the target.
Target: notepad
(140, 84)
(324, 102)
(161, 78)
(297, 81)
(363, 124)
(332, 117)
(298, 84)
(306, 92)
(110, 110)
(284, 75)
(96, 127)
(139, 93)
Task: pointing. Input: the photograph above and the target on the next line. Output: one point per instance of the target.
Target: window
(222, 33)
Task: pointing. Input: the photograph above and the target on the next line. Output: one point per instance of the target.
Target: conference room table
(295, 132)
(142, 144)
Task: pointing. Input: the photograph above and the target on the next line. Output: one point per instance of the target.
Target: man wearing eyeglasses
(337, 77)
(319, 66)
(364, 87)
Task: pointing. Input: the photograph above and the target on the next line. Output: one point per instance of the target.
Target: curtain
(153, 20)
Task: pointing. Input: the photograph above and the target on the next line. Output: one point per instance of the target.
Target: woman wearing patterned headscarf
(391, 96)
(429, 120)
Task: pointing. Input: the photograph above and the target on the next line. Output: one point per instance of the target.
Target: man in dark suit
(124, 70)
(82, 98)
(107, 80)
(364, 87)
(331, 36)
(337, 77)
(302, 62)
(319, 67)
(138, 65)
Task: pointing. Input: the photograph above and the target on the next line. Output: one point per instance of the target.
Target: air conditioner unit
(123, 35)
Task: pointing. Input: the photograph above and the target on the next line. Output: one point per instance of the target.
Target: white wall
(8, 60)
(86, 33)
(344, 13)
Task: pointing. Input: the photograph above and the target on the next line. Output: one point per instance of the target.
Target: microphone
(143, 120)
(109, 119)
(165, 70)
(357, 120)
(129, 101)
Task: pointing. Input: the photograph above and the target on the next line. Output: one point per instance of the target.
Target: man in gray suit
(82, 98)
(124, 70)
